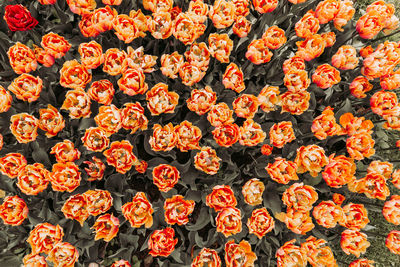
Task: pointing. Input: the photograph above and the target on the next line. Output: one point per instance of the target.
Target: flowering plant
(178, 133)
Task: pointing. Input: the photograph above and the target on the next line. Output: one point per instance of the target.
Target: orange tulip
(300, 197)
(282, 171)
(22, 58)
(310, 158)
(274, 37)
(75, 208)
(188, 136)
(296, 80)
(65, 177)
(339, 171)
(362, 263)
(81, 7)
(233, 78)
(299, 222)
(125, 28)
(391, 210)
(289, 253)
(26, 87)
(258, 52)
(239, 254)
(34, 260)
(318, 252)
(327, 10)
(77, 102)
(207, 257)
(311, 48)
(170, 64)
(44, 236)
(265, 6)
(12, 164)
(223, 13)
(252, 192)
(295, 103)
(260, 223)
(242, 26)
(63, 254)
(220, 114)
(164, 137)
(160, 100)
(139, 211)
(281, 134)
(268, 98)
(221, 197)
(115, 61)
(344, 15)
(325, 125)
(354, 242)
(109, 119)
(65, 152)
(91, 54)
(245, 106)
(326, 76)
(95, 169)
(120, 156)
(101, 91)
(5, 100)
(51, 121)
(345, 58)
(392, 242)
(162, 242)
(55, 45)
(177, 210)
(359, 86)
(161, 25)
(106, 227)
(33, 179)
(206, 160)
(188, 27)
(226, 135)
(201, 100)
(220, 46)
(133, 117)
(24, 127)
(13, 211)
(165, 177)
(95, 139)
(307, 25)
(356, 216)
(328, 214)
(229, 221)
(98, 201)
(251, 133)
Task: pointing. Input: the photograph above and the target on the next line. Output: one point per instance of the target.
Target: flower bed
(171, 133)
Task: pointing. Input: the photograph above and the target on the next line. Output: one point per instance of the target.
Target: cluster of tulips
(224, 125)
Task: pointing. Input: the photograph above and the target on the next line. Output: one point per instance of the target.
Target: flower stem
(354, 34)
(387, 149)
(385, 36)
(372, 233)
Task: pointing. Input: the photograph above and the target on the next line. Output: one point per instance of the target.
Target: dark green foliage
(239, 163)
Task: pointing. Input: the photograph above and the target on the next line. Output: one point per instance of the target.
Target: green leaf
(271, 198)
(201, 221)
(346, 107)
(40, 155)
